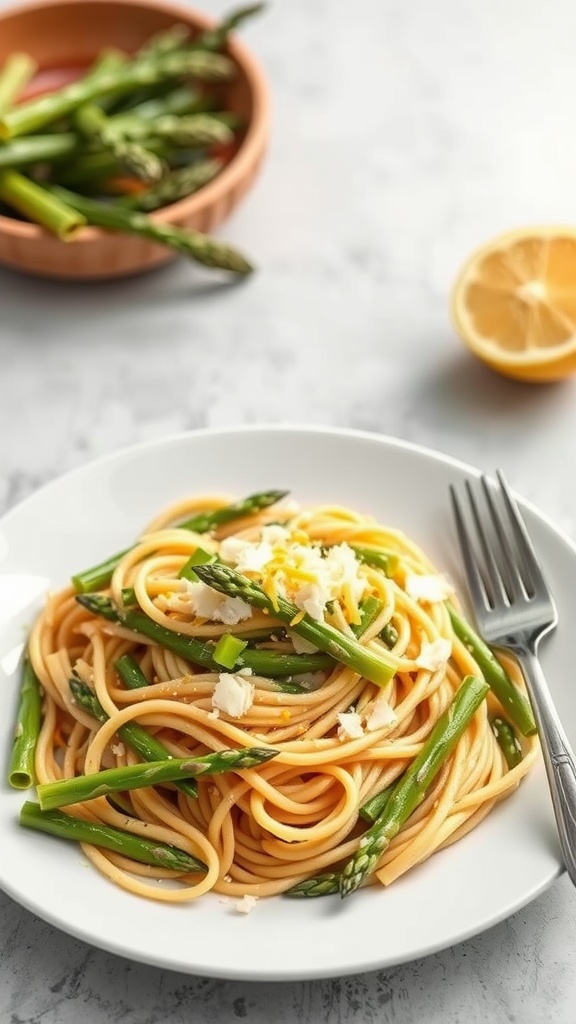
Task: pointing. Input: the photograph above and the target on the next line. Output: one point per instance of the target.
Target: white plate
(82, 517)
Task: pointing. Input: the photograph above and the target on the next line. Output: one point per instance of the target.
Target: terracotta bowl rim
(252, 144)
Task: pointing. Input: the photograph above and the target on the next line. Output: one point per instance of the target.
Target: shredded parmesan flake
(350, 725)
(435, 655)
(246, 904)
(429, 589)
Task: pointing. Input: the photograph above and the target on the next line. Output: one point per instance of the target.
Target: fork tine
(473, 576)
(507, 567)
(532, 573)
(492, 568)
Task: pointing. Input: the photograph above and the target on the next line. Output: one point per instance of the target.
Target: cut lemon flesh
(514, 304)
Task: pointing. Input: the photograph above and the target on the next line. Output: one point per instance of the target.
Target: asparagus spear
(29, 117)
(146, 851)
(369, 611)
(507, 741)
(389, 634)
(320, 885)
(512, 699)
(373, 808)
(410, 789)
(15, 74)
(100, 575)
(133, 734)
(39, 205)
(28, 719)
(385, 560)
(183, 100)
(216, 38)
(193, 130)
(165, 41)
(362, 660)
(151, 773)
(203, 522)
(38, 148)
(175, 185)
(198, 557)
(130, 672)
(92, 122)
(263, 663)
(204, 250)
(228, 650)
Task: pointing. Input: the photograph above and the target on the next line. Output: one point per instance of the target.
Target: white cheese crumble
(310, 680)
(300, 645)
(350, 725)
(246, 904)
(428, 588)
(119, 749)
(233, 695)
(207, 603)
(381, 714)
(303, 573)
(433, 656)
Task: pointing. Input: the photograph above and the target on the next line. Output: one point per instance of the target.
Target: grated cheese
(201, 600)
(381, 714)
(233, 695)
(350, 725)
(433, 656)
(246, 904)
(300, 645)
(429, 589)
(289, 566)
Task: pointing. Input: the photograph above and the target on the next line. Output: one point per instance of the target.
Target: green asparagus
(146, 851)
(369, 611)
(411, 788)
(198, 247)
(36, 113)
(38, 148)
(130, 672)
(216, 38)
(182, 100)
(99, 576)
(516, 705)
(387, 561)
(373, 808)
(204, 522)
(348, 651)
(389, 635)
(200, 652)
(92, 123)
(133, 735)
(26, 732)
(320, 885)
(175, 185)
(40, 205)
(198, 557)
(507, 741)
(228, 650)
(151, 773)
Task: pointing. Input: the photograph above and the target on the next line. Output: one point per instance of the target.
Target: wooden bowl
(65, 33)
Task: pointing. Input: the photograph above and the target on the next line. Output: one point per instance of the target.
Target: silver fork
(514, 609)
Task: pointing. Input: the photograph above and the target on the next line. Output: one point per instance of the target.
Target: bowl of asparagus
(129, 130)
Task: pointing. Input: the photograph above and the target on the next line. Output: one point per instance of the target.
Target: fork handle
(558, 756)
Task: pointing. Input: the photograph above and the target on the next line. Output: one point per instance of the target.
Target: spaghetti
(341, 739)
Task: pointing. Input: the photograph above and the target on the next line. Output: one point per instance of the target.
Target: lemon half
(514, 304)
